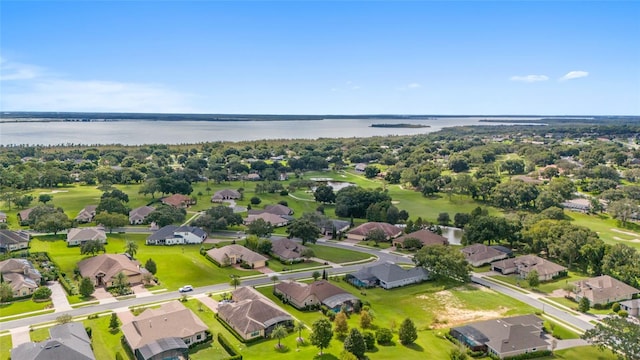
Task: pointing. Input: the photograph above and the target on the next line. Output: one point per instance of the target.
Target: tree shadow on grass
(325, 356)
(415, 347)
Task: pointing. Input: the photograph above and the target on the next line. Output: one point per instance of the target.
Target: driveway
(58, 297)
(141, 291)
(103, 296)
(20, 335)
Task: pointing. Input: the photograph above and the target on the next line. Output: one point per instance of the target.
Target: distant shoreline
(401, 125)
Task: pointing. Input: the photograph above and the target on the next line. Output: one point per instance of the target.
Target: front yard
(22, 306)
(546, 287)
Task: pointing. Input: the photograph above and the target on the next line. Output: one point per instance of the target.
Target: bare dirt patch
(453, 312)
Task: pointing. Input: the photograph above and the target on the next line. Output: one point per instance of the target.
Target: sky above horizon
(333, 57)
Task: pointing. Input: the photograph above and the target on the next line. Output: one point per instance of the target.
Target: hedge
(229, 348)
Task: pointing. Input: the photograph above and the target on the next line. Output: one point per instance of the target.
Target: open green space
(212, 350)
(106, 343)
(22, 306)
(177, 265)
(546, 287)
(337, 255)
(608, 229)
(574, 306)
(5, 347)
(559, 331)
(582, 352)
(40, 334)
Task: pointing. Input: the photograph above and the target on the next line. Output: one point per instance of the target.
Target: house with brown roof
(11, 240)
(138, 215)
(87, 214)
(66, 342)
(273, 219)
(426, 237)
(603, 290)
(165, 332)
(252, 315)
(362, 232)
(23, 216)
(303, 295)
(523, 265)
(225, 194)
(481, 254)
(237, 254)
(504, 337)
(178, 201)
(103, 269)
(287, 250)
(253, 177)
(21, 275)
(78, 236)
(632, 307)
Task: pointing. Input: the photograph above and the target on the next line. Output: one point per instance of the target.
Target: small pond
(453, 234)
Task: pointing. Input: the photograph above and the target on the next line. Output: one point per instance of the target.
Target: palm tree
(279, 332)
(235, 281)
(131, 248)
(299, 327)
(274, 278)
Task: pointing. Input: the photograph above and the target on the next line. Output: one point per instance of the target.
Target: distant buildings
(426, 237)
(179, 201)
(87, 214)
(78, 236)
(226, 194)
(523, 265)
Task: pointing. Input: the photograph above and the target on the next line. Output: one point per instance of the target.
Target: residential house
(523, 265)
(287, 250)
(3, 217)
(177, 235)
(362, 232)
(579, 205)
(178, 201)
(78, 236)
(103, 269)
(138, 215)
(226, 194)
(632, 307)
(330, 226)
(603, 290)
(67, 342)
(360, 167)
(504, 337)
(164, 332)
(87, 214)
(274, 220)
(277, 209)
(21, 275)
(387, 275)
(426, 237)
(253, 177)
(11, 240)
(252, 315)
(237, 254)
(23, 216)
(481, 254)
(303, 295)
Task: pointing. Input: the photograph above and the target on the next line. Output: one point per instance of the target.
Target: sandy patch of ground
(625, 232)
(55, 192)
(395, 202)
(621, 239)
(454, 313)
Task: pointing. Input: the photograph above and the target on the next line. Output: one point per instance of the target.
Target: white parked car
(186, 288)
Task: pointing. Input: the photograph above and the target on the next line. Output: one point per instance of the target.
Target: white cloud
(576, 74)
(529, 78)
(414, 86)
(38, 91)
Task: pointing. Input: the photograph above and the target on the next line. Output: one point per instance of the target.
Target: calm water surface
(174, 132)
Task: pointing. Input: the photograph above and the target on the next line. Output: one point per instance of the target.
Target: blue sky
(336, 57)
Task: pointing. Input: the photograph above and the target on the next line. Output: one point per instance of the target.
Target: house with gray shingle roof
(273, 219)
(253, 315)
(138, 215)
(287, 249)
(426, 237)
(177, 235)
(504, 337)
(68, 342)
(78, 236)
(387, 275)
(632, 307)
(603, 290)
(237, 254)
(362, 232)
(481, 254)
(21, 275)
(303, 295)
(86, 215)
(13, 240)
(523, 265)
(225, 194)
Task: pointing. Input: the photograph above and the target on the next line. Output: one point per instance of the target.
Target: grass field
(5, 347)
(574, 306)
(22, 306)
(106, 343)
(546, 287)
(212, 350)
(336, 255)
(607, 228)
(39, 334)
(582, 352)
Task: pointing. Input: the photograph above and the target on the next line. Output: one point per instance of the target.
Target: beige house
(252, 315)
(362, 232)
(237, 254)
(225, 194)
(287, 249)
(11, 240)
(273, 219)
(78, 236)
(103, 269)
(165, 332)
(178, 200)
(603, 290)
(480, 254)
(138, 215)
(86, 215)
(631, 306)
(303, 295)
(523, 265)
(426, 237)
(21, 275)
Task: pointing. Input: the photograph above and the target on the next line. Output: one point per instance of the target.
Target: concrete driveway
(58, 297)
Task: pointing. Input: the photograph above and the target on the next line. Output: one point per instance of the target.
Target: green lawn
(546, 287)
(608, 229)
(39, 334)
(336, 255)
(106, 343)
(5, 347)
(574, 306)
(559, 331)
(22, 306)
(581, 353)
(177, 265)
(277, 266)
(212, 350)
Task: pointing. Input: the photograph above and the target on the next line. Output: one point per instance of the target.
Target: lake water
(453, 235)
(183, 132)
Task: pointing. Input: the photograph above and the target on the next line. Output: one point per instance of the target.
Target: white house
(177, 235)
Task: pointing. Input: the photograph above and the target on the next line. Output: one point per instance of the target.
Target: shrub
(615, 308)
(369, 340)
(255, 200)
(89, 331)
(42, 293)
(284, 193)
(623, 313)
(384, 336)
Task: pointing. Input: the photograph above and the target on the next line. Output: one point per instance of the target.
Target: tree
(354, 200)
(23, 201)
(279, 332)
(86, 287)
(235, 281)
(618, 334)
(412, 243)
(324, 194)
(461, 219)
(304, 229)
(384, 336)
(458, 353)
(299, 326)
(321, 334)
(42, 293)
(443, 262)
(151, 266)
(260, 228)
(6, 292)
(513, 166)
(165, 215)
(444, 219)
(377, 235)
(112, 205)
(365, 319)
(371, 171)
(64, 319)
(110, 220)
(315, 275)
(92, 247)
(131, 248)
(340, 324)
(407, 332)
(622, 210)
(121, 283)
(218, 218)
(584, 305)
(369, 340)
(354, 343)
(533, 279)
(113, 322)
(52, 223)
(255, 200)
(45, 198)
(621, 262)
